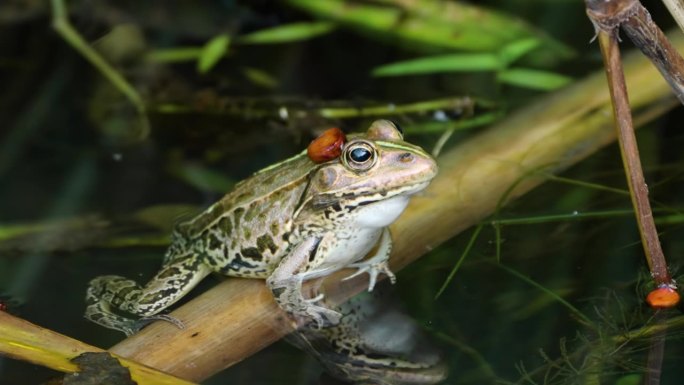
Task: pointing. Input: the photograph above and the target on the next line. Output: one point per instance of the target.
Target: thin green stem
(594, 186)
(60, 22)
(552, 294)
(471, 242)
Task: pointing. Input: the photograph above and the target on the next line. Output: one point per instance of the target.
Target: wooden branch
(238, 317)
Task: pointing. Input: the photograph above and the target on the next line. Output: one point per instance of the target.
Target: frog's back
(246, 232)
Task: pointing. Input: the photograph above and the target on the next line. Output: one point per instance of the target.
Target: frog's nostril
(406, 157)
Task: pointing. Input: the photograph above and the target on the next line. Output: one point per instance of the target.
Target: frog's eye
(359, 156)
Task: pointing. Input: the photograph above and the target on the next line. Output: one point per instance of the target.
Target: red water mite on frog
(327, 146)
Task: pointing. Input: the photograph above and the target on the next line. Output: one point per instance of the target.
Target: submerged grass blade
(287, 33)
(561, 217)
(61, 24)
(580, 183)
(549, 292)
(440, 64)
(533, 79)
(458, 264)
(172, 55)
(518, 49)
(430, 26)
(212, 52)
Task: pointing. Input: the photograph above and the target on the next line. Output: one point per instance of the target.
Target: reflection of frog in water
(374, 343)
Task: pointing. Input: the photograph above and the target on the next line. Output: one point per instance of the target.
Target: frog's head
(376, 173)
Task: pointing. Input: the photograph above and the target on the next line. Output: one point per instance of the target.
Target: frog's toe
(373, 270)
(361, 270)
(315, 299)
(128, 329)
(323, 317)
(144, 321)
(386, 270)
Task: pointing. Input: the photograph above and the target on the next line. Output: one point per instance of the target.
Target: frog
(375, 342)
(292, 222)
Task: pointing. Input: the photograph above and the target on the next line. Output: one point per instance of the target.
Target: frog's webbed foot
(101, 313)
(110, 294)
(288, 295)
(99, 309)
(377, 264)
(321, 316)
(374, 269)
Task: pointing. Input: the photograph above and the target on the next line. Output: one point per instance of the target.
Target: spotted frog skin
(291, 222)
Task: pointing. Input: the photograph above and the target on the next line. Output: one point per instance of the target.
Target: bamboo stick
(238, 317)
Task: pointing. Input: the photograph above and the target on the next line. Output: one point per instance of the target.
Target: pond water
(551, 289)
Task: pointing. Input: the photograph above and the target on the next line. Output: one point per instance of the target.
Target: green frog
(288, 223)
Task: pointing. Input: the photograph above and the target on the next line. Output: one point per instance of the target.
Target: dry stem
(607, 16)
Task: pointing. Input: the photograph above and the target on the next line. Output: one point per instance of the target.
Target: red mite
(327, 146)
(663, 297)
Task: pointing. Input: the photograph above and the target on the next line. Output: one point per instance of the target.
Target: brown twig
(607, 16)
(637, 24)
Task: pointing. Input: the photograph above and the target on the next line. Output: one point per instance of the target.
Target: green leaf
(518, 49)
(629, 379)
(431, 26)
(442, 63)
(533, 79)
(171, 55)
(367, 16)
(212, 52)
(287, 33)
(260, 77)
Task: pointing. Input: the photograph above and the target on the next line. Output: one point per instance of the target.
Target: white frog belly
(347, 248)
(380, 214)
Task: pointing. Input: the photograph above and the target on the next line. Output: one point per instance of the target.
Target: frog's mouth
(357, 199)
(370, 198)
(415, 188)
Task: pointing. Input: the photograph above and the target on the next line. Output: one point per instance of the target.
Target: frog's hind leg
(172, 282)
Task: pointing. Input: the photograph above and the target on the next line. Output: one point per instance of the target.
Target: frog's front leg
(286, 285)
(172, 282)
(378, 263)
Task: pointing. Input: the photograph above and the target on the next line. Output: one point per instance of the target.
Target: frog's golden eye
(359, 156)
